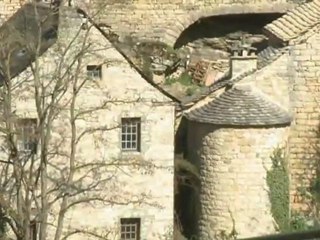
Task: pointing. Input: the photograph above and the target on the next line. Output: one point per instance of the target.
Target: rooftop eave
(273, 37)
(229, 123)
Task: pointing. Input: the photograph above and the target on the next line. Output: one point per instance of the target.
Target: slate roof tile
(296, 21)
(240, 106)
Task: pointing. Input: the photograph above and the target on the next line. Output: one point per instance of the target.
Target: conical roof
(240, 106)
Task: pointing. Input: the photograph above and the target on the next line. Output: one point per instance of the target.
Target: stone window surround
(143, 126)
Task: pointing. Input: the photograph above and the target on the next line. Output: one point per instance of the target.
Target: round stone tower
(231, 140)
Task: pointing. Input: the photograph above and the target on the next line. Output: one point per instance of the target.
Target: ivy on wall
(278, 183)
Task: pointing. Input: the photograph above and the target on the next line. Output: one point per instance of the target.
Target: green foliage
(278, 182)
(170, 81)
(184, 79)
(191, 90)
(171, 50)
(299, 222)
(3, 227)
(311, 217)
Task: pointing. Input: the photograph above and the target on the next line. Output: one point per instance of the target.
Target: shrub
(278, 182)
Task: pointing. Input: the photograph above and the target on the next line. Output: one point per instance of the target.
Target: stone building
(165, 21)
(124, 127)
(266, 101)
(234, 125)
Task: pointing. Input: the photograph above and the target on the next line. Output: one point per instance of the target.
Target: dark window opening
(94, 71)
(130, 228)
(51, 33)
(33, 230)
(26, 135)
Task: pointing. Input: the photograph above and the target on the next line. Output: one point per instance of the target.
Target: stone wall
(9, 7)
(165, 20)
(160, 20)
(233, 164)
(274, 80)
(142, 181)
(304, 138)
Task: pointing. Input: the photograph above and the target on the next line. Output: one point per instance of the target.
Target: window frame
(128, 136)
(26, 137)
(33, 228)
(94, 71)
(126, 223)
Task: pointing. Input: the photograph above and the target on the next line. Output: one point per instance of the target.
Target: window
(33, 230)
(130, 134)
(94, 71)
(51, 33)
(130, 228)
(26, 135)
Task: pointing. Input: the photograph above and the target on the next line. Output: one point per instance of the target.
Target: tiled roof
(268, 55)
(295, 22)
(240, 106)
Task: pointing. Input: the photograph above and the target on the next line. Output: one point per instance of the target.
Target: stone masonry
(165, 20)
(9, 7)
(304, 139)
(120, 93)
(301, 37)
(288, 75)
(231, 139)
(233, 166)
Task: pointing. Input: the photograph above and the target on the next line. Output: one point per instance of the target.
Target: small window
(33, 230)
(51, 33)
(130, 228)
(26, 135)
(94, 71)
(130, 134)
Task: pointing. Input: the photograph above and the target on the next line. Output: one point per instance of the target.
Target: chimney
(243, 59)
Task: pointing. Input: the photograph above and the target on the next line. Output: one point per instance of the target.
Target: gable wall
(292, 81)
(273, 81)
(304, 138)
(121, 92)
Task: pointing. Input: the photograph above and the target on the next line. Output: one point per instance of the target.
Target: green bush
(169, 81)
(190, 91)
(3, 227)
(299, 222)
(278, 182)
(184, 79)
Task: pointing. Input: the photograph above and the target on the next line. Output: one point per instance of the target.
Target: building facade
(111, 144)
(286, 75)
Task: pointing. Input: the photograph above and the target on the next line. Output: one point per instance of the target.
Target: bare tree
(51, 112)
